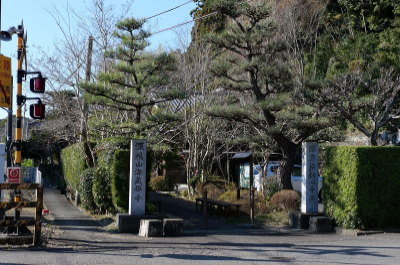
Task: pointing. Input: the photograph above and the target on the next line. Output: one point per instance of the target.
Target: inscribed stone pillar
(309, 186)
(137, 187)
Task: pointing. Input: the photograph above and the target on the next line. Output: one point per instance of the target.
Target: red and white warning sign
(14, 174)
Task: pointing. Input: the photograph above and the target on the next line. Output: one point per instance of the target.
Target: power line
(181, 24)
(170, 10)
(199, 18)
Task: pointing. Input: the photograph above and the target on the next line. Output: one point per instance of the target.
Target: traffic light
(37, 111)
(38, 84)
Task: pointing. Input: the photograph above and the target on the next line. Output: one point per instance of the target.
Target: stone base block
(320, 224)
(173, 227)
(301, 220)
(151, 228)
(127, 223)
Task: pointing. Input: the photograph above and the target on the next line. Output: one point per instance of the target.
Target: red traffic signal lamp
(38, 84)
(37, 111)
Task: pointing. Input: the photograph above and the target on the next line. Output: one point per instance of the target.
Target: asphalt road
(77, 240)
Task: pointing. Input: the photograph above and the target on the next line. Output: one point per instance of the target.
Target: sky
(43, 31)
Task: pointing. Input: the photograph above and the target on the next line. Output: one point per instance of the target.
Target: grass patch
(273, 219)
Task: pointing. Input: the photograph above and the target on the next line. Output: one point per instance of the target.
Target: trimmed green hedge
(361, 186)
(73, 160)
(86, 188)
(120, 178)
(102, 190)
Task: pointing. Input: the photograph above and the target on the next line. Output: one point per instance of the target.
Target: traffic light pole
(20, 75)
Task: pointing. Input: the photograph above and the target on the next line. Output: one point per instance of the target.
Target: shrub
(169, 182)
(286, 200)
(214, 189)
(157, 183)
(229, 196)
(86, 187)
(260, 205)
(102, 190)
(270, 187)
(185, 193)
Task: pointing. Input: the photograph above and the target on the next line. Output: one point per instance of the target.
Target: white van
(271, 172)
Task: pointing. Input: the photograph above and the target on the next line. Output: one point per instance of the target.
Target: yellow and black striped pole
(20, 75)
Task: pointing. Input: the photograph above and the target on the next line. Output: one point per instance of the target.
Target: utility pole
(88, 72)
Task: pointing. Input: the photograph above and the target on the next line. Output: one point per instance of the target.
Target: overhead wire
(199, 18)
(166, 29)
(169, 10)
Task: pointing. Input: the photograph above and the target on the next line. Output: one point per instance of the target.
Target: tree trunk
(286, 167)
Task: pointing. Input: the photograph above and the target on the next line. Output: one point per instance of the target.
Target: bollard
(205, 208)
(237, 193)
(252, 206)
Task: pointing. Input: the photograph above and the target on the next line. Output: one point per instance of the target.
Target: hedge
(120, 178)
(74, 162)
(101, 190)
(86, 187)
(361, 186)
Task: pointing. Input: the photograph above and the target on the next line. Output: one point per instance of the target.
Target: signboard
(5, 82)
(14, 174)
(244, 173)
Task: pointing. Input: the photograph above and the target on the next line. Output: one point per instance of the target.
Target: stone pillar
(137, 185)
(309, 186)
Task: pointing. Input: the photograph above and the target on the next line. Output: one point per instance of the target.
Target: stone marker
(320, 224)
(173, 227)
(309, 186)
(137, 187)
(151, 228)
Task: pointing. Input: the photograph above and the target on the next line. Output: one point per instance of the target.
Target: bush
(86, 187)
(169, 182)
(260, 205)
(214, 189)
(286, 200)
(185, 193)
(157, 183)
(102, 190)
(270, 187)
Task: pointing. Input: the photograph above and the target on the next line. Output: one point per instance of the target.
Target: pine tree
(254, 62)
(135, 83)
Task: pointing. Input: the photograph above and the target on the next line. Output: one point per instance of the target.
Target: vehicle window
(296, 172)
(256, 169)
(274, 169)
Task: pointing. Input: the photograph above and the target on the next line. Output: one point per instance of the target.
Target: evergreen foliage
(255, 61)
(361, 186)
(86, 187)
(120, 180)
(74, 163)
(134, 83)
(101, 190)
